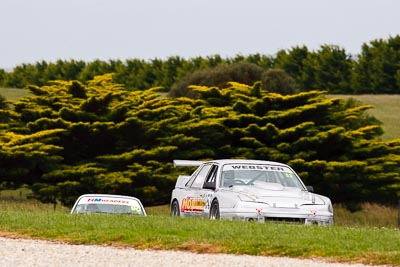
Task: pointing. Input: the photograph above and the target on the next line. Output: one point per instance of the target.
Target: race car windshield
(131, 207)
(266, 176)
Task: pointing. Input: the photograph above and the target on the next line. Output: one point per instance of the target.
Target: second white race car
(251, 190)
(108, 204)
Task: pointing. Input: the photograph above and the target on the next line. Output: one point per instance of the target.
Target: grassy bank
(386, 108)
(370, 245)
(13, 94)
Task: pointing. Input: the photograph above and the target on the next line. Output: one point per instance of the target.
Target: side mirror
(209, 185)
(310, 188)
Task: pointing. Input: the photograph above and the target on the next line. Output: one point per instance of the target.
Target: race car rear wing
(186, 163)
(183, 179)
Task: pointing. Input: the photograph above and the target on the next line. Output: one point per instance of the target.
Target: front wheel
(214, 210)
(175, 208)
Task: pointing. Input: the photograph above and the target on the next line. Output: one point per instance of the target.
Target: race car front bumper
(261, 212)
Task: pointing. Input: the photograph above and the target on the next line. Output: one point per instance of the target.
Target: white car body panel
(182, 180)
(268, 191)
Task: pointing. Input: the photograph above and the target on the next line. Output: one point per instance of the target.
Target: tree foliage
(219, 76)
(278, 81)
(375, 70)
(70, 138)
(378, 68)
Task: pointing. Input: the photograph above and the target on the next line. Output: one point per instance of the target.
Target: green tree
(219, 76)
(328, 69)
(375, 70)
(71, 138)
(292, 61)
(3, 103)
(378, 67)
(278, 81)
(2, 77)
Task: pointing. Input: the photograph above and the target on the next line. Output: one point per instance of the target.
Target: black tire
(214, 210)
(175, 208)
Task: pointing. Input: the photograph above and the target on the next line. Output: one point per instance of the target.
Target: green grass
(13, 94)
(386, 109)
(369, 245)
(22, 193)
(370, 215)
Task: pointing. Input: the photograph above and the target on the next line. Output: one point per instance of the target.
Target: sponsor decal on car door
(193, 205)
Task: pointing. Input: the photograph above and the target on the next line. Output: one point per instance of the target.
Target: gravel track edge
(17, 251)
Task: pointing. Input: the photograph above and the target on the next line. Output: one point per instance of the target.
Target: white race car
(251, 190)
(111, 204)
